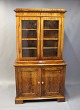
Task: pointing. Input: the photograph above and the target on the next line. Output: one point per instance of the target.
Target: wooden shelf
(29, 48)
(51, 29)
(29, 38)
(36, 38)
(50, 38)
(50, 47)
(30, 29)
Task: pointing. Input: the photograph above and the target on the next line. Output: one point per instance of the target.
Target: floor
(7, 98)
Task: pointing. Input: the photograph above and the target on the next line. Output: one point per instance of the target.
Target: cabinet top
(40, 10)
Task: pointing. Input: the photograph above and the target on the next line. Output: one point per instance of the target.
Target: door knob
(42, 82)
(38, 82)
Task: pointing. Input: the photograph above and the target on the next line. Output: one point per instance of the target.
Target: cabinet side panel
(18, 81)
(62, 81)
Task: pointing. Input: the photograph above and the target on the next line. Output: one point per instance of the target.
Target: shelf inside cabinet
(50, 38)
(29, 38)
(51, 29)
(29, 48)
(30, 29)
(50, 47)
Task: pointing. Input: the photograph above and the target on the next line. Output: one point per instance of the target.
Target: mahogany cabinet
(39, 66)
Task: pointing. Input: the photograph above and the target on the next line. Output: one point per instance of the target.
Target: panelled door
(29, 38)
(29, 82)
(50, 81)
(50, 37)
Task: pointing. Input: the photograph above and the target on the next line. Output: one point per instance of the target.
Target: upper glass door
(30, 28)
(50, 35)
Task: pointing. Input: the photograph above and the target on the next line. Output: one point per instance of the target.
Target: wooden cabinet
(39, 66)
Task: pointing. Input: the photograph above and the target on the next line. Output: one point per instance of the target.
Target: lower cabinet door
(29, 82)
(50, 81)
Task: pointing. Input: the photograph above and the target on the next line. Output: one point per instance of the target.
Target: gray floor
(7, 97)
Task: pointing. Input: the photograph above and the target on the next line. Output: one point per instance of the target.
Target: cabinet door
(50, 81)
(29, 38)
(50, 37)
(29, 82)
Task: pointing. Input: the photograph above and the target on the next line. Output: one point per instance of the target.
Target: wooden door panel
(29, 82)
(51, 80)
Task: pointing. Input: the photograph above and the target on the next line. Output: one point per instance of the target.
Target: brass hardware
(38, 82)
(42, 82)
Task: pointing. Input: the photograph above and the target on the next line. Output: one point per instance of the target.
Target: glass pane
(29, 53)
(29, 43)
(51, 33)
(50, 43)
(49, 52)
(29, 34)
(51, 24)
(29, 24)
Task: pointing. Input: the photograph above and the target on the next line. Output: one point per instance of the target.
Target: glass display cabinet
(39, 66)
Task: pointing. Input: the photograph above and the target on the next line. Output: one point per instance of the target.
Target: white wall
(8, 36)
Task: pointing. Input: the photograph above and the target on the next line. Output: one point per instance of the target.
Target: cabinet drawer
(55, 68)
(28, 69)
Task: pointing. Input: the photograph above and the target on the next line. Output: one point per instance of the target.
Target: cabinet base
(18, 101)
(61, 100)
(21, 99)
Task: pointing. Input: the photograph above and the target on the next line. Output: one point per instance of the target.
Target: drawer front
(54, 68)
(28, 69)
